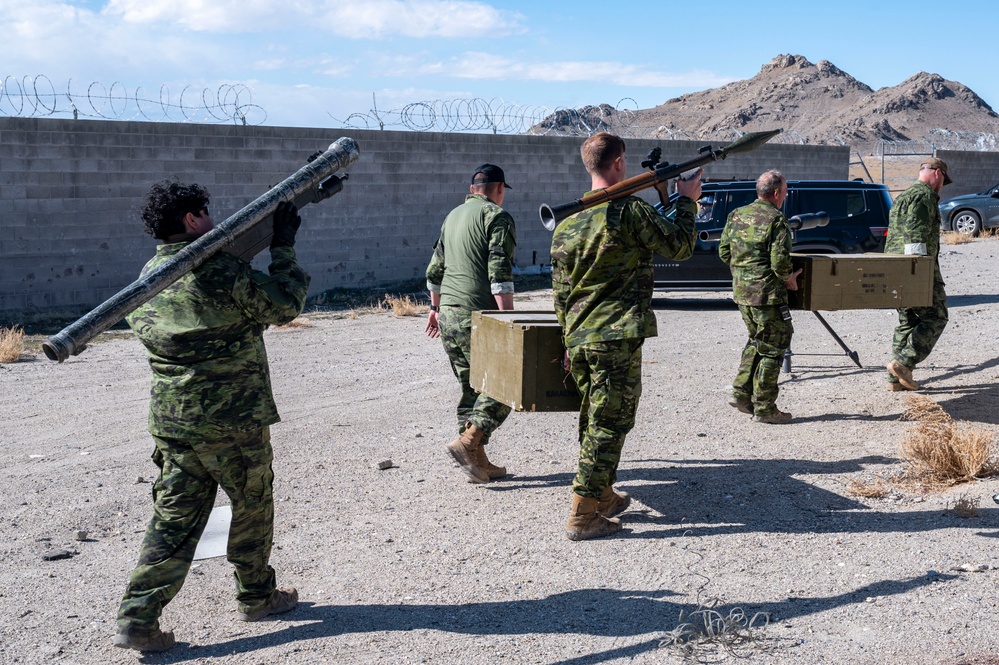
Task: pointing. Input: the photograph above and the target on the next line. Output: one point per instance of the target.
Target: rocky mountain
(813, 103)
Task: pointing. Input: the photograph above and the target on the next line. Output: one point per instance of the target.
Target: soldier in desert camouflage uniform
(602, 282)
(472, 269)
(756, 245)
(210, 410)
(914, 228)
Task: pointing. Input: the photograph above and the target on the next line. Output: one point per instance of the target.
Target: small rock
(385, 464)
(80, 535)
(56, 555)
(971, 568)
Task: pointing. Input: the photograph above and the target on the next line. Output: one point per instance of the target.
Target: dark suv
(858, 221)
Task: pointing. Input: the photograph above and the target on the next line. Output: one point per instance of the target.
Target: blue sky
(313, 62)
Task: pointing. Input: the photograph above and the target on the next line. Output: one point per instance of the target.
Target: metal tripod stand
(852, 355)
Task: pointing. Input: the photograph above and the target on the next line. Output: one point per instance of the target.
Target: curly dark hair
(166, 204)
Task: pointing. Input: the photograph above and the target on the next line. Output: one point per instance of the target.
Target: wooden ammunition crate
(517, 360)
(862, 281)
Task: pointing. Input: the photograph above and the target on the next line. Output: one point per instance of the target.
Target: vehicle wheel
(967, 222)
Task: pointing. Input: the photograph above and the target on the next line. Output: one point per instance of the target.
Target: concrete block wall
(70, 235)
(972, 172)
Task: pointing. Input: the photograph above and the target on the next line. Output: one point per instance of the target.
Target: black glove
(286, 223)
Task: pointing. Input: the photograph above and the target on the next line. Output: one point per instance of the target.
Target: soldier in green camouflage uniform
(210, 410)
(602, 282)
(914, 228)
(472, 269)
(756, 245)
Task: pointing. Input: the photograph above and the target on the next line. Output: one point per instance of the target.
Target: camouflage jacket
(602, 267)
(914, 221)
(756, 245)
(204, 338)
(473, 257)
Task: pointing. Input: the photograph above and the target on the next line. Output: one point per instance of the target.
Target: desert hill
(813, 103)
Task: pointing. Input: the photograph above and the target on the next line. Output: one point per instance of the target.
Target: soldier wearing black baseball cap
(489, 173)
(472, 269)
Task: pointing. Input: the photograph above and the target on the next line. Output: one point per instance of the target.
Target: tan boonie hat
(934, 163)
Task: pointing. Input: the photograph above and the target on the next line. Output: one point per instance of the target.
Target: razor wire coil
(36, 96)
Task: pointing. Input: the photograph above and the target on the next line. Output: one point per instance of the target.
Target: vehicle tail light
(879, 231)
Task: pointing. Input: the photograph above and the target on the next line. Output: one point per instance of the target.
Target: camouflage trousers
(183, 497)
(762, 357)
(918, 330)
(609, 378)
(484, 412)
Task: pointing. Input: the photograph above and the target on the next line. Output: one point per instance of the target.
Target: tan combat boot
(586, 523)
(465, 451)
(612, 502)
(492, 470)
(279, 602)
(144, 640)
(903, 374)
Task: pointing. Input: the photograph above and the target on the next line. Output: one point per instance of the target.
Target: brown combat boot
(903, 374)
(492, 470)
(586, 523)
(612, 502)
(144, 640)
(743, 404)
(465, 451)
(778, 417)
(280, 601)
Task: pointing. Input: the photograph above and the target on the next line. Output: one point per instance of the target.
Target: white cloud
(352, 19)
(499, 68)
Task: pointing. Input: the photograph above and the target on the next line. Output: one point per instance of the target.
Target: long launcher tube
(552, 215)
(312, 183)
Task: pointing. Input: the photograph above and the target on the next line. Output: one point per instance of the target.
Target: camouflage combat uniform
(914, 228)
(210, 411)
(756, 245)
(472, 262)
(602, 281)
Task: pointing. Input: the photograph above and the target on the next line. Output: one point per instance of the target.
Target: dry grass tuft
(955, 238)
(300, 322)
(401, 306)
(11, 344)
(875, 489)
(706, 635)
(965, 506)
(942, 451)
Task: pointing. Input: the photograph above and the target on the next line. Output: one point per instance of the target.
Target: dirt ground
(413, 565)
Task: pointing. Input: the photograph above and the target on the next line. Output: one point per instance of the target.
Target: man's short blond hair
(769, 183)
(600, 151)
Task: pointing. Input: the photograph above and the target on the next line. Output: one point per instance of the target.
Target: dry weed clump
(942, 451)
(955, 238)
(875, 489)
(705, 635)
(299, 322)
(965, 506)
(401, 305)
(11, 344)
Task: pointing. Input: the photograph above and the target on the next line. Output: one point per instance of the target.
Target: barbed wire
(501, 117)
(941, 139)
(36, 96)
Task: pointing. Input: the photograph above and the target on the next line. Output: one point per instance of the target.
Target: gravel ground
(414, 565)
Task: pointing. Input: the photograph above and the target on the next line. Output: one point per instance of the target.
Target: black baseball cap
(489, 173)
